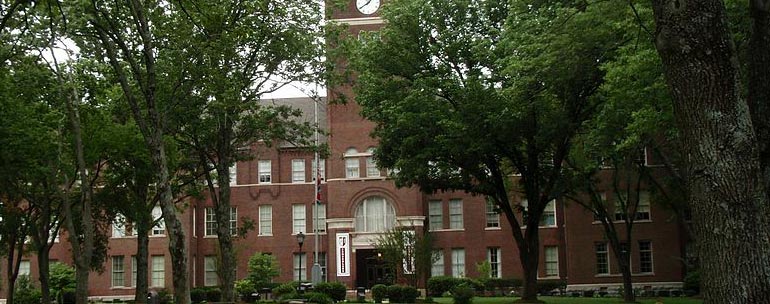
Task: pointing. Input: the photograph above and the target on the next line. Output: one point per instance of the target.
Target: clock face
(367, 7)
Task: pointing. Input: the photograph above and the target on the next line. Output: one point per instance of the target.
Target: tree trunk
(628, 288)
(759, 81)
(728, 196)
(530, 259)
(143, 228)
(84, 252)
(43, 262)
(224, 235)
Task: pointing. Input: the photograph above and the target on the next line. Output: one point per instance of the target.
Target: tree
(408, 253)
(125, 35)
(466, 94)
(725, 140)
(234, 50)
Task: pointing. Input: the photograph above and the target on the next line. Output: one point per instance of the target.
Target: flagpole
(316, 272)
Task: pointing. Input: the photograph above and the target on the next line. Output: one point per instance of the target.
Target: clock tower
(363, 203)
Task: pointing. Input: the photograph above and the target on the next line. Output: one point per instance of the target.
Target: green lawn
(569, 300)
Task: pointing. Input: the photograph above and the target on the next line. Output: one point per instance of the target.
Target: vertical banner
(343, 254)
(408, 262)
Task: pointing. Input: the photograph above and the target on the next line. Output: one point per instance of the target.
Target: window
(351, 168)
(493, 256)
(645, 256)
(160, 225)
(264, 169)
(643, 209)
(211, 222)
(603, 196)
(297, 170)
(298, 218)
(602, 259)
(300, 262)
(233, 174)
(455, 214)
(118, 274)
(322, 172)
(121, 227)
(321, 209)
(210, 277)
(265, 219)
(158, 271)
(233, 220)
(458, 262)
(549, 215)
(133, 270)
(438, 265)
(493, 216)
(551, 261)
(435, 215)
(371, 165)
(548, 219)
(322, 262)
(24, 268)
(375, 214)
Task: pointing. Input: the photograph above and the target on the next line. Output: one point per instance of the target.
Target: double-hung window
(437, 269)
(551, 261)
(265, 219)
(435, 215)
(645, 256)
(264, 168)
(458, 262)
(493, 216)
(299, 219)
(455, 214)
(602, 258)
(493, 256)
(297, 170)
(118, 272)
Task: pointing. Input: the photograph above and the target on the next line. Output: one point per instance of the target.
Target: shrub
(198, 294)
(379, 292)
(402, 294)
(463, 294)
(291, 295)
(438, 285)
(335, 290)
(317, 297)
(285, 288)
(263, 267)
(475, 284)
(164, 296)
(67, 296)
(213, 294)
(545, 287)
(692, 282)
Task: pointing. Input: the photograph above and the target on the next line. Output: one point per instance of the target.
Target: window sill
(122, 287)
(265, 235)
(635, 221)
(210, 237)
(157, 236)
(607, 275)
(448, 230)
(643, 274)
(493, 228)
(122, 237)
(542, 227)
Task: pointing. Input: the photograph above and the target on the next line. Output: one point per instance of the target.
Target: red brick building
(276, 190)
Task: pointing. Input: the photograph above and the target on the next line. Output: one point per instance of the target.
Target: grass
(570, 300)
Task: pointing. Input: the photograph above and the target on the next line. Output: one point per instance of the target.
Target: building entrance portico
(371, 269)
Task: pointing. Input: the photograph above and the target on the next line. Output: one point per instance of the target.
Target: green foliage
(25, 292)
(263, 268)
(317, 297)
(285, 288)
(402, 294)
(438, 285)
(402, 244)
(548, 286)
(501, 284)
(198, 294)
(379, 292)
(213, 294)
(463, 294)
(61, 276)
(335, 290)
(245, 287)
(692, 281)
(485, 271)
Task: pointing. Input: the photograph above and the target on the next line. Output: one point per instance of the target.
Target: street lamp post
(300, 241)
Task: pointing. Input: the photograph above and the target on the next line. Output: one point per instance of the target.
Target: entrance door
(371, 269)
